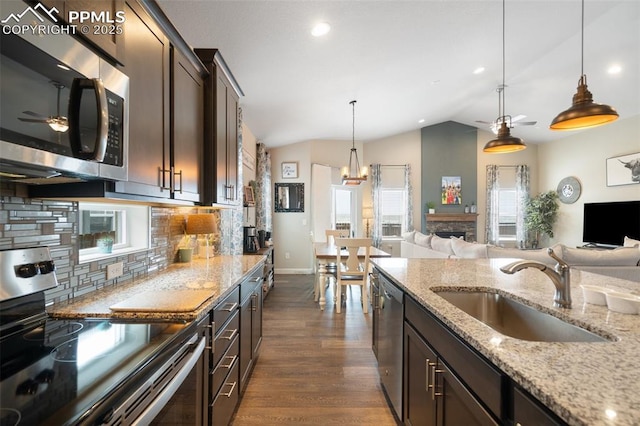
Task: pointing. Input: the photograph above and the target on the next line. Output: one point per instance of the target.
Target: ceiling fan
(57, 122)
(510, 121)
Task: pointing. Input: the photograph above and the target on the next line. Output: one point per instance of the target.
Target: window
(507, 207)
(343, 209)
(393, 215)
(126, 226)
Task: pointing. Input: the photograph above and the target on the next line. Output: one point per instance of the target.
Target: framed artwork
(623, 170)
(451, 190)
(248, 196)
(289, 197)
(290, 170)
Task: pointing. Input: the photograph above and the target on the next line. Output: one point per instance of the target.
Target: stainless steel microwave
(64, 113)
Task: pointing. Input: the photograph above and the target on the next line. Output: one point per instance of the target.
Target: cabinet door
(245, 342)
(146, 62)
(419, 394)
(455, 404)
(256, 321)
(223, 192)
(187, 113)
(232, 146)
(528, 412)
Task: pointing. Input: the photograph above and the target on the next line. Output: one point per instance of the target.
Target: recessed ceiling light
(64, 67)
(435, 81)
(614, 69)
(320, 29)
(478, 70)
(421, 120)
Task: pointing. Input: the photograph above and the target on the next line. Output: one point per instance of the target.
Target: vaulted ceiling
(405, 61)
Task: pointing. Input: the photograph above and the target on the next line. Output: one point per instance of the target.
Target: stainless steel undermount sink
(515, 319)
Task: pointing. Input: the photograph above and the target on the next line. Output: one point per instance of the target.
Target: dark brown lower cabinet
(433, 393)
(529, 412)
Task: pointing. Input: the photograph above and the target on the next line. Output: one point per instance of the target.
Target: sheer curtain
(376, 196)
(408, 187)
(492, 230)
(263, 189)
(522, 195)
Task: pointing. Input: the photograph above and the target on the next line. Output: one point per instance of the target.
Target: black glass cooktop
(55, 370)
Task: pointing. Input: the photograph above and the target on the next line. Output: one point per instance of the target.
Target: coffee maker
(250, 240)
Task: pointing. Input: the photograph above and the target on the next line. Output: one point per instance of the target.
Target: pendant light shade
(352, 174)
(583, 113)
(504, 142)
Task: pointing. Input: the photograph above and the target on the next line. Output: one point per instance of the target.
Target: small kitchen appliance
(251, 244)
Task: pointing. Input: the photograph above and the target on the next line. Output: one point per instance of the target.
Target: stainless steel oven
(92, 371)
(63, 109)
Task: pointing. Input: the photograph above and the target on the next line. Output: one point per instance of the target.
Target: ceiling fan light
(60, 124)
(504, 143)
(583, 113)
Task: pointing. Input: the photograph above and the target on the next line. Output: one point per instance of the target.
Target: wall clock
(569, 190)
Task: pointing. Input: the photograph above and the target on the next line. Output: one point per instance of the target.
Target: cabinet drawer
(227, 361)
(249, 285)
(224, 338)
(223, 310)
(481, 377)
(225, 401)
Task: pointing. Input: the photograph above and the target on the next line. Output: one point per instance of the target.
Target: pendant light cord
(503, 59)
(353, 124)
(582, 43)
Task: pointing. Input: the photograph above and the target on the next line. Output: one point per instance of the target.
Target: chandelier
(353, 174)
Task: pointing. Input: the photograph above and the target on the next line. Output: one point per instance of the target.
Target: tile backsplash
(29, 222)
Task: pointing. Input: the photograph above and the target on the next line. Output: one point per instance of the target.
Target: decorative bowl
(594, 294)
(623, 302)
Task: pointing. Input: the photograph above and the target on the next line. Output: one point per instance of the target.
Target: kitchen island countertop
(584, 383)
(219, 275)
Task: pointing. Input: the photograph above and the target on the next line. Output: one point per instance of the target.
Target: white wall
(583, 155)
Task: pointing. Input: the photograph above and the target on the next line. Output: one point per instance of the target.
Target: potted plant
(431, 207)
(541, 213)
(105, 244)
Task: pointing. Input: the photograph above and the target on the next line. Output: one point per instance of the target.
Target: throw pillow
(539, 255)
(409, 236)
(441, 244)
(467, 250)
(422, 240)
(630, 242)
(622, 256)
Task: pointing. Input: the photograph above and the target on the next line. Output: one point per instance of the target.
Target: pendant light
(504, 142)
(583, 113)
(352, 174)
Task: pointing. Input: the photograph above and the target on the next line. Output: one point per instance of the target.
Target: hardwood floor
(314, 367)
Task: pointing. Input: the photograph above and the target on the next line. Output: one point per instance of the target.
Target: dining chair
(352, 269)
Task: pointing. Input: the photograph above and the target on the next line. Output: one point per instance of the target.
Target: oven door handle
(161, 400)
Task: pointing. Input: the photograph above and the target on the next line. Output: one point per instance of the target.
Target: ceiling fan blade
(34, 120)
(35, 114)
(488, 123)
(524, 123)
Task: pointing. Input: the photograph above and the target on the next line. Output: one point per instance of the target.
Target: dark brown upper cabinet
(220, 131)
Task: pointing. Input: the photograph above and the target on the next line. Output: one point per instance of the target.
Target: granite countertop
(584, 383)
(217, 276)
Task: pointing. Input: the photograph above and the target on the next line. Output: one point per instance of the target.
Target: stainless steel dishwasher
(388, 323)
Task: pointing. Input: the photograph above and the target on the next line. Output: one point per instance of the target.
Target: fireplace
(449, 234)
(453, 225)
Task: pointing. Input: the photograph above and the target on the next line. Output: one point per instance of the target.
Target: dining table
(326, 253)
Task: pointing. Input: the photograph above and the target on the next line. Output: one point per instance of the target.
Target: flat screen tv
(606, 224)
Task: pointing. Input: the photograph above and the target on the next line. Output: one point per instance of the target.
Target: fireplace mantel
(451, 217)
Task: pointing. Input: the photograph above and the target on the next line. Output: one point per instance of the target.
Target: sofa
(622, 262)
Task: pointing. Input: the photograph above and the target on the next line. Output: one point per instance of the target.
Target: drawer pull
(229, 309)
(432, 383)
(228, 394)
(233, 359)
(231, 335)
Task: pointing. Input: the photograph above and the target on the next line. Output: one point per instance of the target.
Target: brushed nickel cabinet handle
(231, 335)
(233, 359)
(228, 394)
(229, 309)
